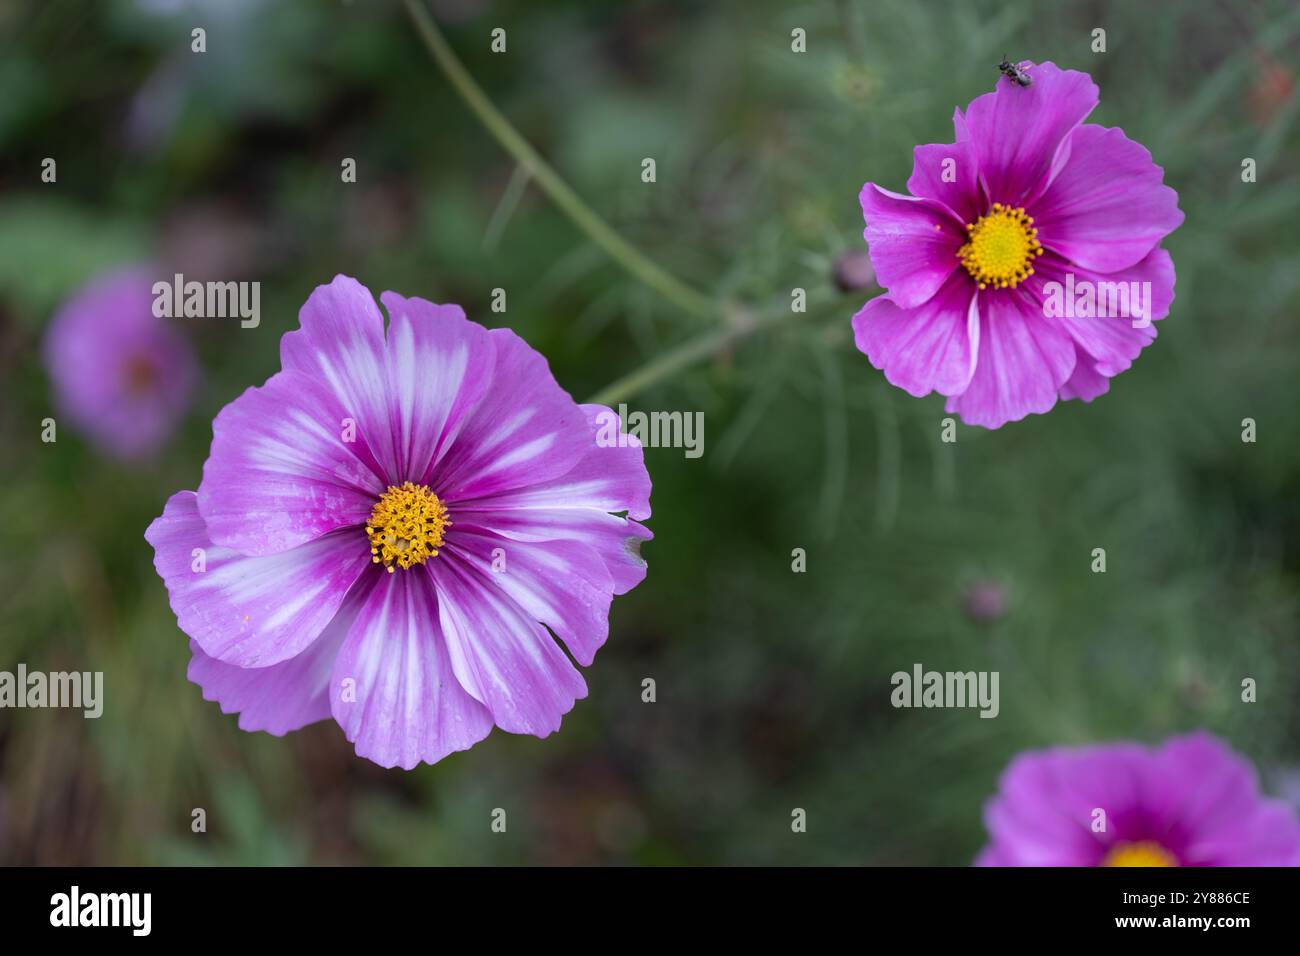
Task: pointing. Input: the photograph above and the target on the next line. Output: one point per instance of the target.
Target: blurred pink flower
(1189, 802)
(120, 375)
(985, 601)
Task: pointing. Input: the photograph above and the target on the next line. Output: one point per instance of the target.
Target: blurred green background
(773, 686)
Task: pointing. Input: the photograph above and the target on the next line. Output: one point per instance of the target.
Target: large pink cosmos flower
(1028, 195)
(1189, 802)
(386, 529)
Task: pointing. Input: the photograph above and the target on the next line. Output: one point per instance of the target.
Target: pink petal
(1207, 797)
(284, 696)
(1212, 805)
(1108, 207)
(403, 704)
(1024, 359)
(932, 347)
(1016, 131)
(500, 654)
(1263, 834)
(913, 243)
(439, 366)
(610, 477)
(1112, 341)
(525, 430)
(251, 611)
(618, 542)
(992, 855)
(612, 473)
(1042, 815)
(280, 473)
(564, 584)
(1085, 382)
(616, 539)
(961, 132)
(341, 346)
(947, 173)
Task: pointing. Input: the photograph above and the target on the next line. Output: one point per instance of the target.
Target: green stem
(689, 300)
(709, 344)
(738, 324)
(674, 360)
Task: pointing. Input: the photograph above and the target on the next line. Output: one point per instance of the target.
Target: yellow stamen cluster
(1144, 853)
(406, 526)
(1002, 247)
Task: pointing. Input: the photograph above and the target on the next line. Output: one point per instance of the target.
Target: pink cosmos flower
(386, 529)
(120, 375)
(1189, 802)
(1029, 205)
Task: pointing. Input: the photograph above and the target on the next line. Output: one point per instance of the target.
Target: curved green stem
(689, 300)
(675, 359)
(707, 345)
(737, 325)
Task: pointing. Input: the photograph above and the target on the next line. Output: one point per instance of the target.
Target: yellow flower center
(1002, 247)
(406, 526)
(1145, 853)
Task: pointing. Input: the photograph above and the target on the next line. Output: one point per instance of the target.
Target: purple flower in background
(386, 529)
(120, 375)
(985, 600)
(1190, 802)
(1026, 265)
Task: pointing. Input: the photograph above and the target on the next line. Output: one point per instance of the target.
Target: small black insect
(1010, 69)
